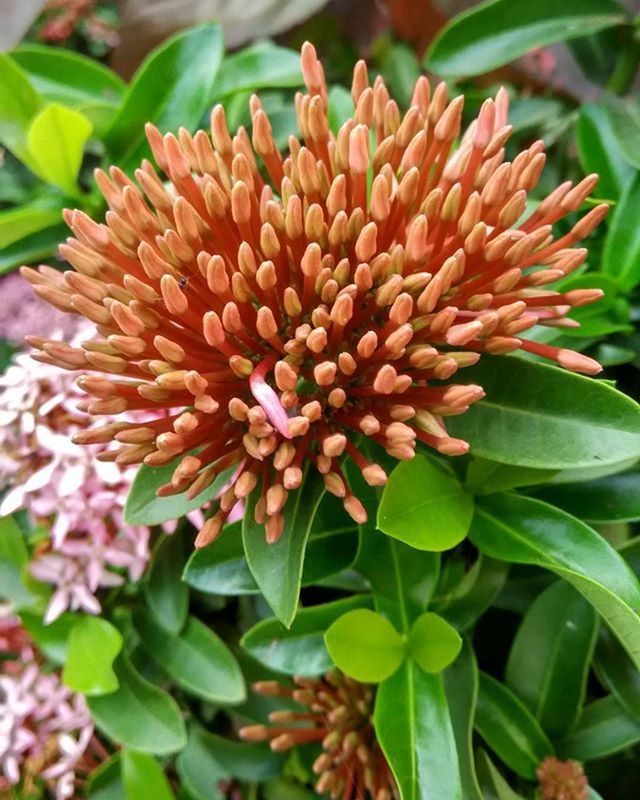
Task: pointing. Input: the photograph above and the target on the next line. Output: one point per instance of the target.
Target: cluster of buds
(338, 715)
(562, 780)
(272, 309)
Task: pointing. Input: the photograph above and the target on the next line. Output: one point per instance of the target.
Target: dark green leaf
(494, 33)
(621, 255)
(486, 477)
(605, 728)
(365, 645)
(599, 153)
(433, 643)
(152, 723)
(33, 248)
(172, 88)
(105, 782)
(414, 730)
(143, 777)
(474, 594)
(52, 639)
(509, 728)
(300, 649)
(167, 596)
(494, 786)
(550, 657)
(93, 646)
(17, 223)
(257, 67)
(614, 498)
(526, 531)
(277, 568)
(540, 416)
(197, 659)
(625, 123)
(143, 507)
(617, 673)
(424, 505)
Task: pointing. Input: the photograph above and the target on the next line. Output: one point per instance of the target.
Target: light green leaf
(525, 531)
(93, 646)
(540, 416)
(17, 223)
(55, 142)
(550, 657)
(277, 568)
(424, 505)
(19, 103)
(33, 248)
(433, 643)
(365, 646)
(494, 33)
(143, 777)
(621, 255)
(197, 659)
(13, 561)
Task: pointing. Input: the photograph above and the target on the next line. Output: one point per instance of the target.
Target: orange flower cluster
(352, 765)
(278, 307)
(562, 780)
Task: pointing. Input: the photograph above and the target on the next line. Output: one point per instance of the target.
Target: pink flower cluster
(46, 732)
(64, 485)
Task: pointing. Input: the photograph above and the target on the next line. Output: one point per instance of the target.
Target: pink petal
(269, 400)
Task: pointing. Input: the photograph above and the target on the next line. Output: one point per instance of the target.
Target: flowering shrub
(320, 466)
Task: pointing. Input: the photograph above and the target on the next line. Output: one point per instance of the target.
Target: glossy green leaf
(65, 76)
(143, 507)
(143, 778)
(614, 498)
(433, 643)
(152, 723)
(17, 223)
(479, 587)
(55, 141)
(414, 729)
(365, 645)
(609, 315)
(540, 416)
(33, 248)
(424, 505)
(461, 687)
(605, 728)
(171, 88)
(277, 568)
(550, 657)
(509, 728)
(93, 646)
(13, 561)
(625, 123)
(19, 104)
(300, 649)
(260, 66)
(526, 531)
(196, 658)
(599, 153)
(621, 255)
(486, 477)
(494, 786)
(494, 33)
(617, 673)
(166, 595)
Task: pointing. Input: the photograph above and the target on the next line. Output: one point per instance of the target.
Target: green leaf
(433, 643)
(93, 646)
(540, 416)
(461, 687)
(494, 33)
(614, 498)
(400, 70)
(550, 657)
(494, 786)
(13, 562)
(300, 649)
(365, 645)
(33, 248)
(617, 673)
(414, 729)
(166, 595)
(277, 568)
(625, 123)
(509, 728)
(621, 255)
(55, 142)
(526, 531)
(340, 107)
(477, 590)
(152, 723)
(52, 638)
(68, 77)
(605, 728)
(143, 777)
(17, 223)
(486, 477)
(424, 505)
(143, 507)
(105, 782)
(260, 66)
(197, 659)
(171, 88)
(19, 103)
(597, 146)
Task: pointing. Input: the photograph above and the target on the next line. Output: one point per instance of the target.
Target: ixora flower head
(281, 307)
(562, 780)
(338, 715)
